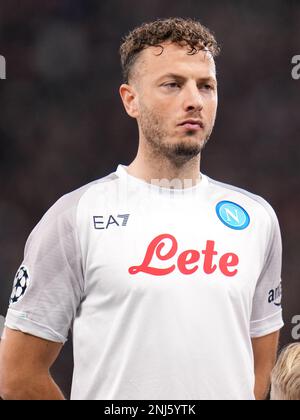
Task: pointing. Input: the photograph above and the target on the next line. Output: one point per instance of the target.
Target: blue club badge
(232, 215)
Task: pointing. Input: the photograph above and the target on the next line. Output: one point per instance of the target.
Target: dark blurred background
(62, 123)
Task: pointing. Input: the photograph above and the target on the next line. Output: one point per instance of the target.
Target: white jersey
(163, 289)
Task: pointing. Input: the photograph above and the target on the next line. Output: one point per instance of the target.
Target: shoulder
(64, 211)
(257, 204)
(71, 199)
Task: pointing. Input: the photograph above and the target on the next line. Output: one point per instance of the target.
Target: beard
(179, 152)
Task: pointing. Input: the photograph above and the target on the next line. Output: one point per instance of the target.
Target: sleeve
(49, 285)
(266, 314)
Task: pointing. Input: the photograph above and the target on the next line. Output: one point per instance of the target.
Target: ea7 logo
(275, 296)
(102, 222)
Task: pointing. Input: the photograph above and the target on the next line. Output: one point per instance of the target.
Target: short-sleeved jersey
(162, 288)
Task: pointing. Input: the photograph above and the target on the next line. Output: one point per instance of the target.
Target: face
(176, 99)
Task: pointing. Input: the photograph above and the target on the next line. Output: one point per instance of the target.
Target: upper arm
(265, 350)
(49, 285)
(23, 356)
(266, 316)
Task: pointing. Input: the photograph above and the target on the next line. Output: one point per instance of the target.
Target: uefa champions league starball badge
(21, 284)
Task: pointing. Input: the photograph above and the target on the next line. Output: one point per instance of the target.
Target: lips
(192, 124)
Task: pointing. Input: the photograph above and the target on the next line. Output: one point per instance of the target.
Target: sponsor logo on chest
(165, 247)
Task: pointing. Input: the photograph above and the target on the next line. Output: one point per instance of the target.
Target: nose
(192, 98)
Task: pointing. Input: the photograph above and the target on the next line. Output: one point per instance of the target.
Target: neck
(154, 169)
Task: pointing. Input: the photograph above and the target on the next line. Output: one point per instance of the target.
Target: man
(163, 274)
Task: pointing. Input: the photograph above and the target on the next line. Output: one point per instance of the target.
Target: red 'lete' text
(187, 261)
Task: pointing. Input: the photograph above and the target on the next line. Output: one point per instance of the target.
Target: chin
(183, 149)
(192, 141)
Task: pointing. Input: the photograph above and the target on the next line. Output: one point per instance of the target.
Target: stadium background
(62, 123)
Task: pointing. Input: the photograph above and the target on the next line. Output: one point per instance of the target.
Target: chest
(164, 250)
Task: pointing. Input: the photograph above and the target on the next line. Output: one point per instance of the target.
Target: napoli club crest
(233, 215)
(21, 284)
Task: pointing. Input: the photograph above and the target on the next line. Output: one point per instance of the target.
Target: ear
(130, 99)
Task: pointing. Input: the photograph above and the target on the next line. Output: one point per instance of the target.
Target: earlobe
(129, 99)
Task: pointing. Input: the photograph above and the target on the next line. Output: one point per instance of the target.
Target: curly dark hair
(182, 31)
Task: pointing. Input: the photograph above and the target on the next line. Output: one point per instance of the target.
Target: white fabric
(137, 335)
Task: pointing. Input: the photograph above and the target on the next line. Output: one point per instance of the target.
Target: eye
(171, 85)
(208, 87)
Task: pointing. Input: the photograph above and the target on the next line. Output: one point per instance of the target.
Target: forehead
(174, 57)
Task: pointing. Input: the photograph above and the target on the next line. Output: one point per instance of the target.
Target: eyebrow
(182, 78)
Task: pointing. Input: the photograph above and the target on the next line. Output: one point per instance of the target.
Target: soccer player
(285, 378)
(169, 280)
